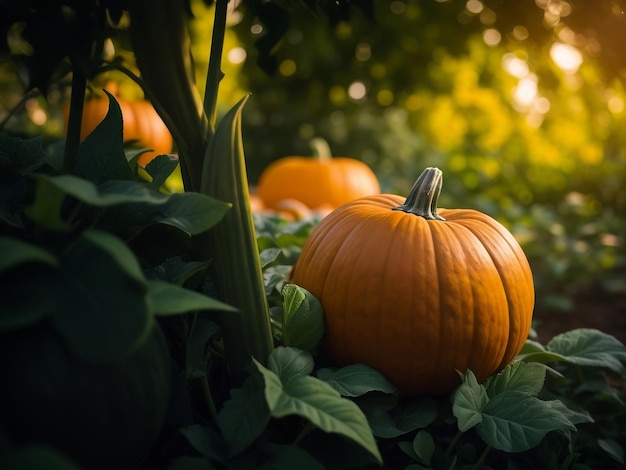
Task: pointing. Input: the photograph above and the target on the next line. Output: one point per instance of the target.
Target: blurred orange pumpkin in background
(319, 181)
(143, 126)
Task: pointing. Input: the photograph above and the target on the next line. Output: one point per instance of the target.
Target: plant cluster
(145, 329)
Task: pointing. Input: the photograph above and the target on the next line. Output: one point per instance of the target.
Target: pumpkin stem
(424, 194)
(321, 149)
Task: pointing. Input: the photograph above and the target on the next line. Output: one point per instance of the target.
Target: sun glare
(566, 57)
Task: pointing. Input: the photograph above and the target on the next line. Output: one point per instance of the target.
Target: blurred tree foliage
(520, 102)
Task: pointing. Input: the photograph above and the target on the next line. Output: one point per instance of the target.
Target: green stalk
(235, 257)
(483, 457)
(212, 162)
(234, 253)
(77, 103)
(214, 74)
(160, 39)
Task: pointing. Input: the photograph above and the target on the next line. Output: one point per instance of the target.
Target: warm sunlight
(566, 56)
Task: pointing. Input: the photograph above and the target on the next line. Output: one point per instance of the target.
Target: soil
(597, 310)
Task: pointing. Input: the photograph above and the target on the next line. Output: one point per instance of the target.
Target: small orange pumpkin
(142, 124)
(316, 182)
(418, 295)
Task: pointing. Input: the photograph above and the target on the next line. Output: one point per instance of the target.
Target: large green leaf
(37, 456)
(320, 404)
(245, 415)
(467, 401)
(45, 209)
(422, 448)
(28, 294)
(520, 376)
(109, 193)
(193, 213)
(160, 168)
(514, 421)
(22, 155)
(536, 352)
(16, 252)
(208, 442)
(303, 318)
(590, 347)
(170, 299)
(288, 363)
(103, 312)
(389, 423)
(356, 380)
(135, 204)
(288, 457)
(101, 155)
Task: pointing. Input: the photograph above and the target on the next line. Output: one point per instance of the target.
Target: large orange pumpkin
(142, 124)
(316, 182)
(416, 294)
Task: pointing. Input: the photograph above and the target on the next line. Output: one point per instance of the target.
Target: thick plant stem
(483, 457)
(77, 104)
(424, 195)
(162, 46)
(214, 74)
(235, 257)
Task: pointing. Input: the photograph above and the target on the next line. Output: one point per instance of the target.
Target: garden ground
(590, 309)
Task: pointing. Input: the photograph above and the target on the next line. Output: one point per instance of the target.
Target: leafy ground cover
(97, 259)
(560, 404)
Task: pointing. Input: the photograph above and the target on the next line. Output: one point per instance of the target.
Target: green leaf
(46, 207)
(535, 352)
(356, 380)
(177, 271)
(424, 447)
(612, 448)
(108, 193)
(22, 155)
(521, 376)
(203, 331)
(514, 421)
(245, 415)
(269, 255)
(37, 456)
(407, 448)
(467, 402)
(170, 299)
(274, 276)
(160, 168)
(192, 463)
(103, 313)
(16, 252)
(28, 296)
(289, 457)
(206, 440)
(101, 156)
(402, 419)
(320, 404)
(118, 251)
(193, 213)
(137, 205)
(287, 363)
(590, 348)
(303, 318)
(575, 417)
